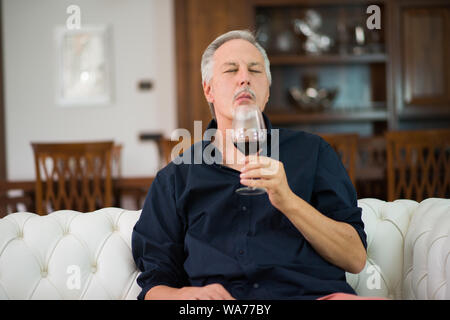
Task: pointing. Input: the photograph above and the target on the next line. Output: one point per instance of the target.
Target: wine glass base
(249, 191)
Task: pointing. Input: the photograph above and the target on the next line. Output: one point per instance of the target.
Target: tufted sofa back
(72, 255)
(68, 255)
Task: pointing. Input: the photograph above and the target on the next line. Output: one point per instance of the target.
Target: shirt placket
(244, 211)
(246, 208)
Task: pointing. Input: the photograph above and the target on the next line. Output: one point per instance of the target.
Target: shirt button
(244, 208)
(241, 252)
(256, 285)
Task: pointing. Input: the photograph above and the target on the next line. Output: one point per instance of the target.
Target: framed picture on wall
(84, 74)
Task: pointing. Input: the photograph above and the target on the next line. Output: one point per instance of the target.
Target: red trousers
(347, 296)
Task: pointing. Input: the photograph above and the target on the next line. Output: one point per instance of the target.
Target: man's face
(237, 65)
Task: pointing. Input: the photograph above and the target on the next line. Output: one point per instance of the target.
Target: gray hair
(207, 57)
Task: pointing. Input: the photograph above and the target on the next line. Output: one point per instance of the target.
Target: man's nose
(244, 78)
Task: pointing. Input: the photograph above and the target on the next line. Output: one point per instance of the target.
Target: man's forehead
(238, 50)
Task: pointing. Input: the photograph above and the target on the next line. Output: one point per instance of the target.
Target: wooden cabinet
(423, 66)
(329, 44)
(397, 77)
(425, 56)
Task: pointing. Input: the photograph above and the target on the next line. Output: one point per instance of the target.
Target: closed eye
(255, 71)
(230, 70)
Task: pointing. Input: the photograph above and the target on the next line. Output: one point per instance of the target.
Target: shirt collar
(213, 124)
(266, 151)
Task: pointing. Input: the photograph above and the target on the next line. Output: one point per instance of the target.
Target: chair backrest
(371, 179)
(418, 164)
(166, 147)
(73, 176)
(116, 156)
(346, 146)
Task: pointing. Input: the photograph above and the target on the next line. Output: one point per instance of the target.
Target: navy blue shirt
(195, 229)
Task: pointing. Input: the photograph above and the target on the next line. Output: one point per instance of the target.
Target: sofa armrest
(427, 252)
(386, 225)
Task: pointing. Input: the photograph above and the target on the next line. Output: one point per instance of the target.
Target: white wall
(142, 48)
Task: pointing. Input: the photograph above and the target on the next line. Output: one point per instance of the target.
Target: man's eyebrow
(252, 64)
(235, 64)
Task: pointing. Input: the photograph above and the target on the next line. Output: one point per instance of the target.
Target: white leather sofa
(72, 255)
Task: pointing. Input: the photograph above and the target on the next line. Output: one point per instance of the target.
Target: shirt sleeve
(334, 194)
(158, 240)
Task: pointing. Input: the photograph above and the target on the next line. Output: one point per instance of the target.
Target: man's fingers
(263, 173)
(256, 183)
(218, 292)
(254, 159)
(270, 165)
(251, 166)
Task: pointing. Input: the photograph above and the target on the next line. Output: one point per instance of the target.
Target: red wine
(249, 147)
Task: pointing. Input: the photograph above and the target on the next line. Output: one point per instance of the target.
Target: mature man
(198, 239)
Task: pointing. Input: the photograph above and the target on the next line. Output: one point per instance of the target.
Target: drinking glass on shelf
(249, 135)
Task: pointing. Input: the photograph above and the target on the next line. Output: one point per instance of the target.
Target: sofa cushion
(68, 255)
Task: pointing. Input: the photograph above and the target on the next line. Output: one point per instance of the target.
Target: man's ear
(266, 100)
(207, 90)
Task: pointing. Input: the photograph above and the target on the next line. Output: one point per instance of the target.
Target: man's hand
(270, 175)
(213, 291)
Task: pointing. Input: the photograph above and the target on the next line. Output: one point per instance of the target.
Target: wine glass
(249, 135)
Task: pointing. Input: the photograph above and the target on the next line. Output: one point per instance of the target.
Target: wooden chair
(418, 164)
(371, 168)
(16, 196)
(346, 146)
(135, 189)
(166, 146)
(73, 176)
(116, 158)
